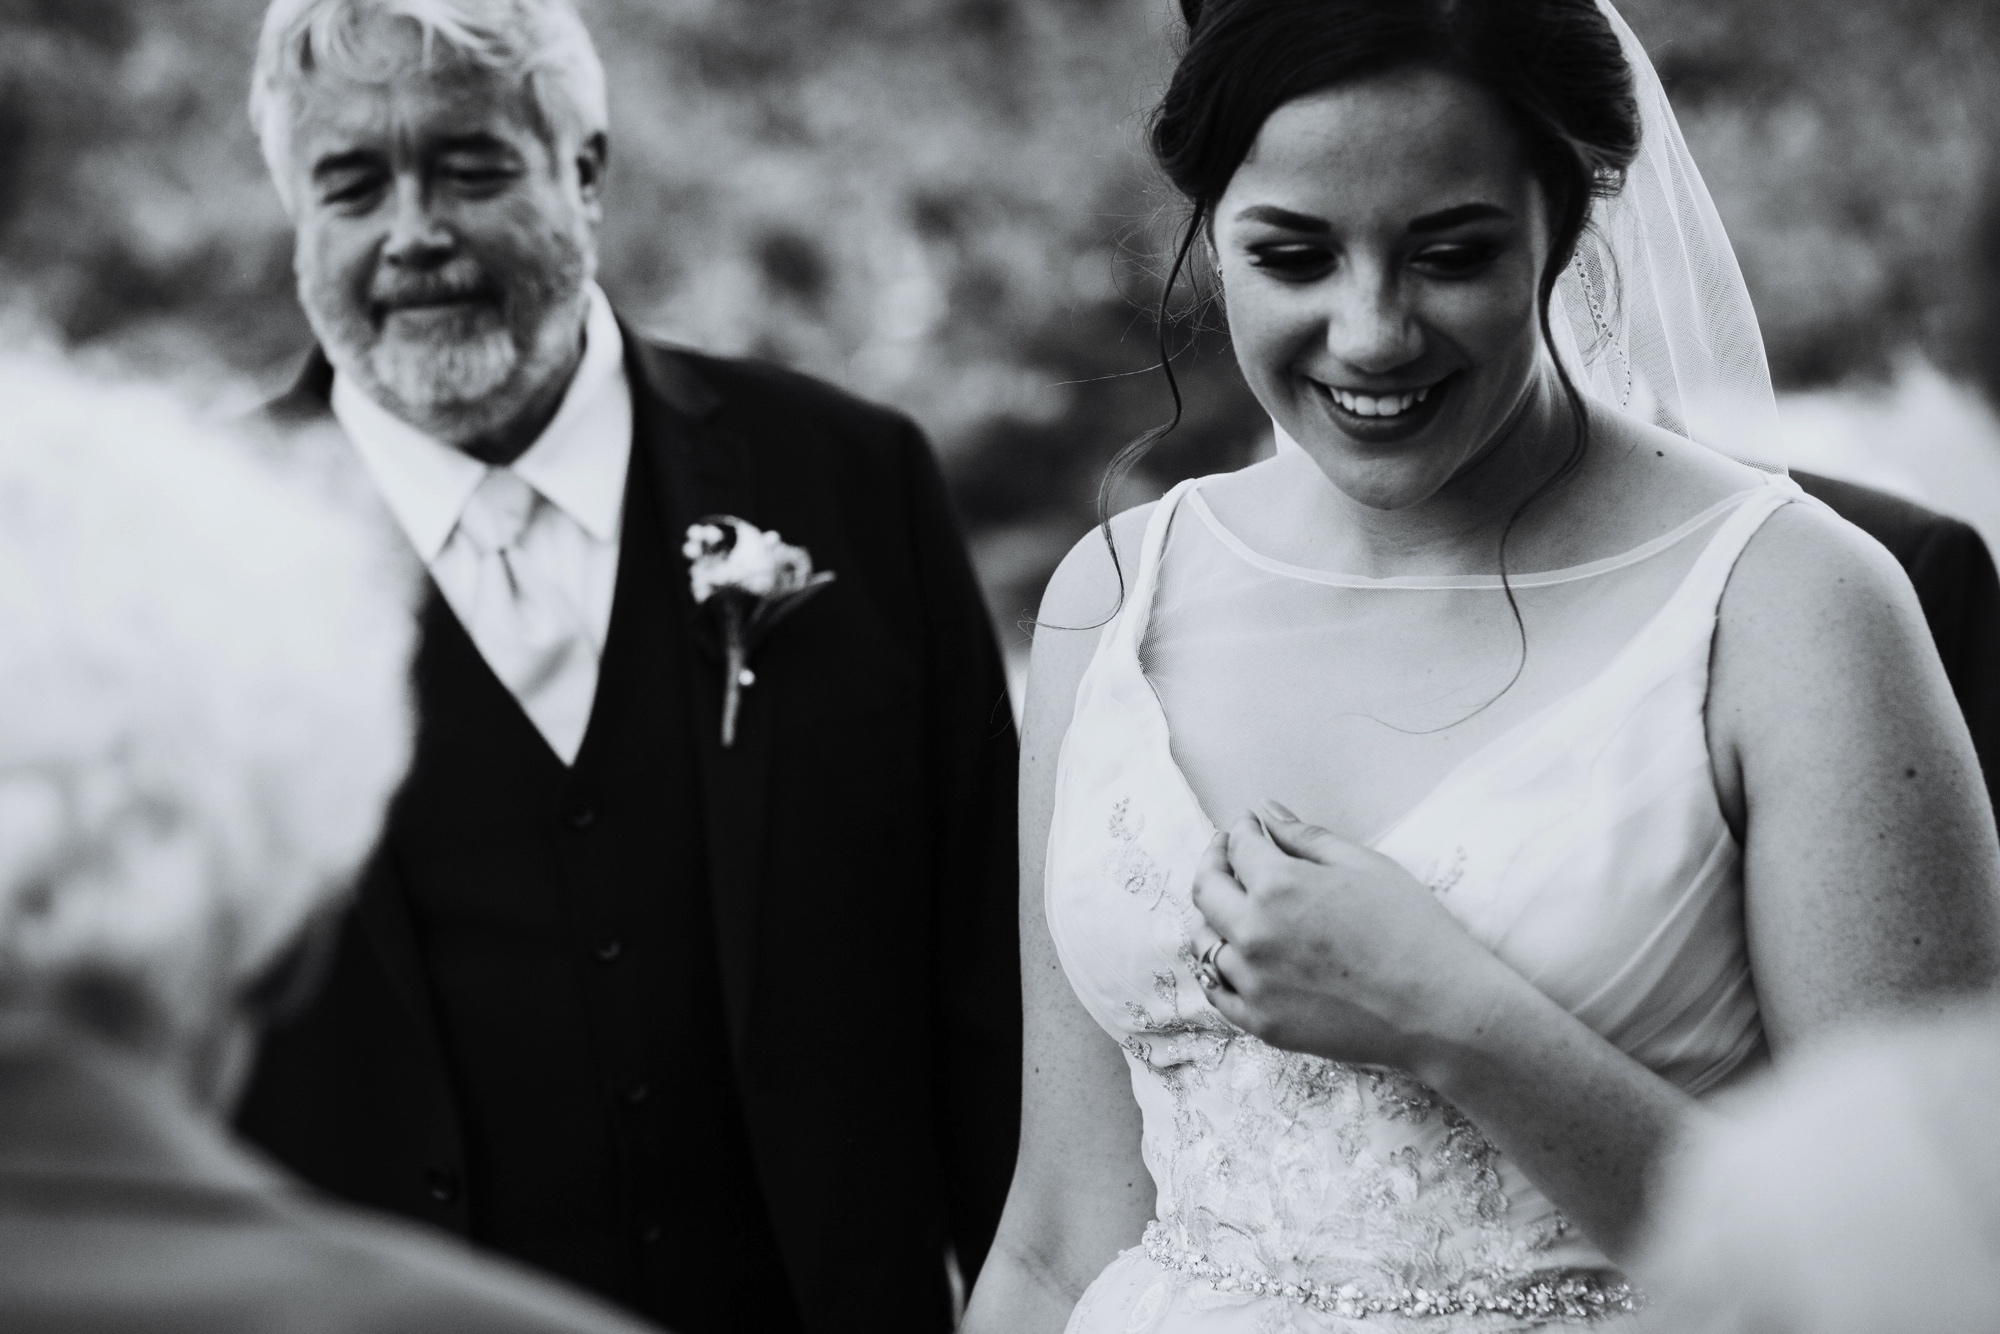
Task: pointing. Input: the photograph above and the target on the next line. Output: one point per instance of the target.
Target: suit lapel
(702, 468)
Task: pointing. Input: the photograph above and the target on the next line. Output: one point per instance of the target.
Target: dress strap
(1129, 627)
(1702, 588)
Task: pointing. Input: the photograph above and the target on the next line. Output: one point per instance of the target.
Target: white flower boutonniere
(752, 580)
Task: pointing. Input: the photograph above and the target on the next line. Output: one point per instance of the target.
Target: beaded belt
(1575, 1294)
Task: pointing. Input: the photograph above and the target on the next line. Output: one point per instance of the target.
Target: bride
(1618, 766)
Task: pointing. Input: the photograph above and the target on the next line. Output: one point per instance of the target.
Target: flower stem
(737, 658)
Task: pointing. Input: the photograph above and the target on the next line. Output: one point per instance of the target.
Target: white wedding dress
(1579, 837)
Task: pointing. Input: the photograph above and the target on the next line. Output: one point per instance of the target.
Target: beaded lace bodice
(1585, 847)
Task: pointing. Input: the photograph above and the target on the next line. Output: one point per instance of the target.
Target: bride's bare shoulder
(1804, 565)
(1089, 586)
(1814, 565)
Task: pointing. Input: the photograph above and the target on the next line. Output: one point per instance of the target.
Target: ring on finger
(1205, 970)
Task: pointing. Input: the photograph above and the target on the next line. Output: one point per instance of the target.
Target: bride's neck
(1458, 528)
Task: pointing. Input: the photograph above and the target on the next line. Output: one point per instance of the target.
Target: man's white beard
(432, 378)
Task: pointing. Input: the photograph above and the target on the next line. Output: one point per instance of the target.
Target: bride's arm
(1870, 880)
(1872, 875)
(1081, 1193)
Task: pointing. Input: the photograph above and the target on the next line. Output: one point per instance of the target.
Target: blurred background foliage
(944, 204)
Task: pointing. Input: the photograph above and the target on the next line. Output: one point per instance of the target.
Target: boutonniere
(751, 580)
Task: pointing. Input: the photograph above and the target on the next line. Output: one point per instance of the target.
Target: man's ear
(593, 159)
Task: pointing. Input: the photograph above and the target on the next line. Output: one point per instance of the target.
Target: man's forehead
(438, 99)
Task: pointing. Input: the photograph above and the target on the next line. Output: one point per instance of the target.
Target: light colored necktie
(530, 631)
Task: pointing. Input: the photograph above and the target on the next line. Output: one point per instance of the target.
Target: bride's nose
(1370, 326)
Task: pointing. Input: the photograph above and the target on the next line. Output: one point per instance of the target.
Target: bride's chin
(1391, 494)
(1382, 483)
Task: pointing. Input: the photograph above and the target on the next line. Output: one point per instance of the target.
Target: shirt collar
(578, 463)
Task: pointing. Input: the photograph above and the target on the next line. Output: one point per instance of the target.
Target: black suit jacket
(860, 849)
(1955, 582)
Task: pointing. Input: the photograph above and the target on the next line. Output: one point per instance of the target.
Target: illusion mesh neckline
(1537, 579)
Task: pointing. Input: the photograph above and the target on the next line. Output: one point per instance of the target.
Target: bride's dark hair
(1554, 66)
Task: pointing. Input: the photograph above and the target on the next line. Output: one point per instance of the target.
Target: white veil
(1652, 316)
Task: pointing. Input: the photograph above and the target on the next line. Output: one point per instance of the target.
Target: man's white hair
(204, 704)
(542, 43)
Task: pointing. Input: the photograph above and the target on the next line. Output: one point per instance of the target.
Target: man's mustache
(446, 286)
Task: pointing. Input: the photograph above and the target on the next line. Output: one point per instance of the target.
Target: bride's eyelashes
(1298, 261)
(1307, 261)
(1463, 259)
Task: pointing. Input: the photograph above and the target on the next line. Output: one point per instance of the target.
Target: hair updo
(1554, 66)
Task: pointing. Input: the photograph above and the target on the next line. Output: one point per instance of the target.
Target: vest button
(609, 950)
(582, 817)
(635, 1093)
(442, 1185)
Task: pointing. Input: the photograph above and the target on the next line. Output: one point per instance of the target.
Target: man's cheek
(330, 282)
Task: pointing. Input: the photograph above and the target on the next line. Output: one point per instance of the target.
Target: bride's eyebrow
(1445, 219)
(1274, 216)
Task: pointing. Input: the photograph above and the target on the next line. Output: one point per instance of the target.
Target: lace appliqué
(1445, 878)
(1181, 1050)
(1128, 864)
(1322, 1173)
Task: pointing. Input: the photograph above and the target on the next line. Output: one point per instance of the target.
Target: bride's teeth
(1371, 405)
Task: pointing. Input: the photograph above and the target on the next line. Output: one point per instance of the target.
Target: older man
(193, 760)
(725, 1028)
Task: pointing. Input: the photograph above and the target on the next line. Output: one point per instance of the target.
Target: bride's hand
(1331, 948)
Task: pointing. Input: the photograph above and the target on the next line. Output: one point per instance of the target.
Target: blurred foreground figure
(1858, 1192)
(689, 978)
(203, 675)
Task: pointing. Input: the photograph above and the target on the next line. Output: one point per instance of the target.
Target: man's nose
(417, 236)
(1371, 328)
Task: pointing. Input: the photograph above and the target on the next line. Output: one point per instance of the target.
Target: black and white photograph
(999, 666)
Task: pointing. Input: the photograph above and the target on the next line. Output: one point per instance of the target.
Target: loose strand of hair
(1135, 449)
(1579, 446)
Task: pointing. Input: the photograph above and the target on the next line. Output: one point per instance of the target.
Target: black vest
(562, 916)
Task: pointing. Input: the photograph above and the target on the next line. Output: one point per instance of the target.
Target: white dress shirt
(577, 466)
